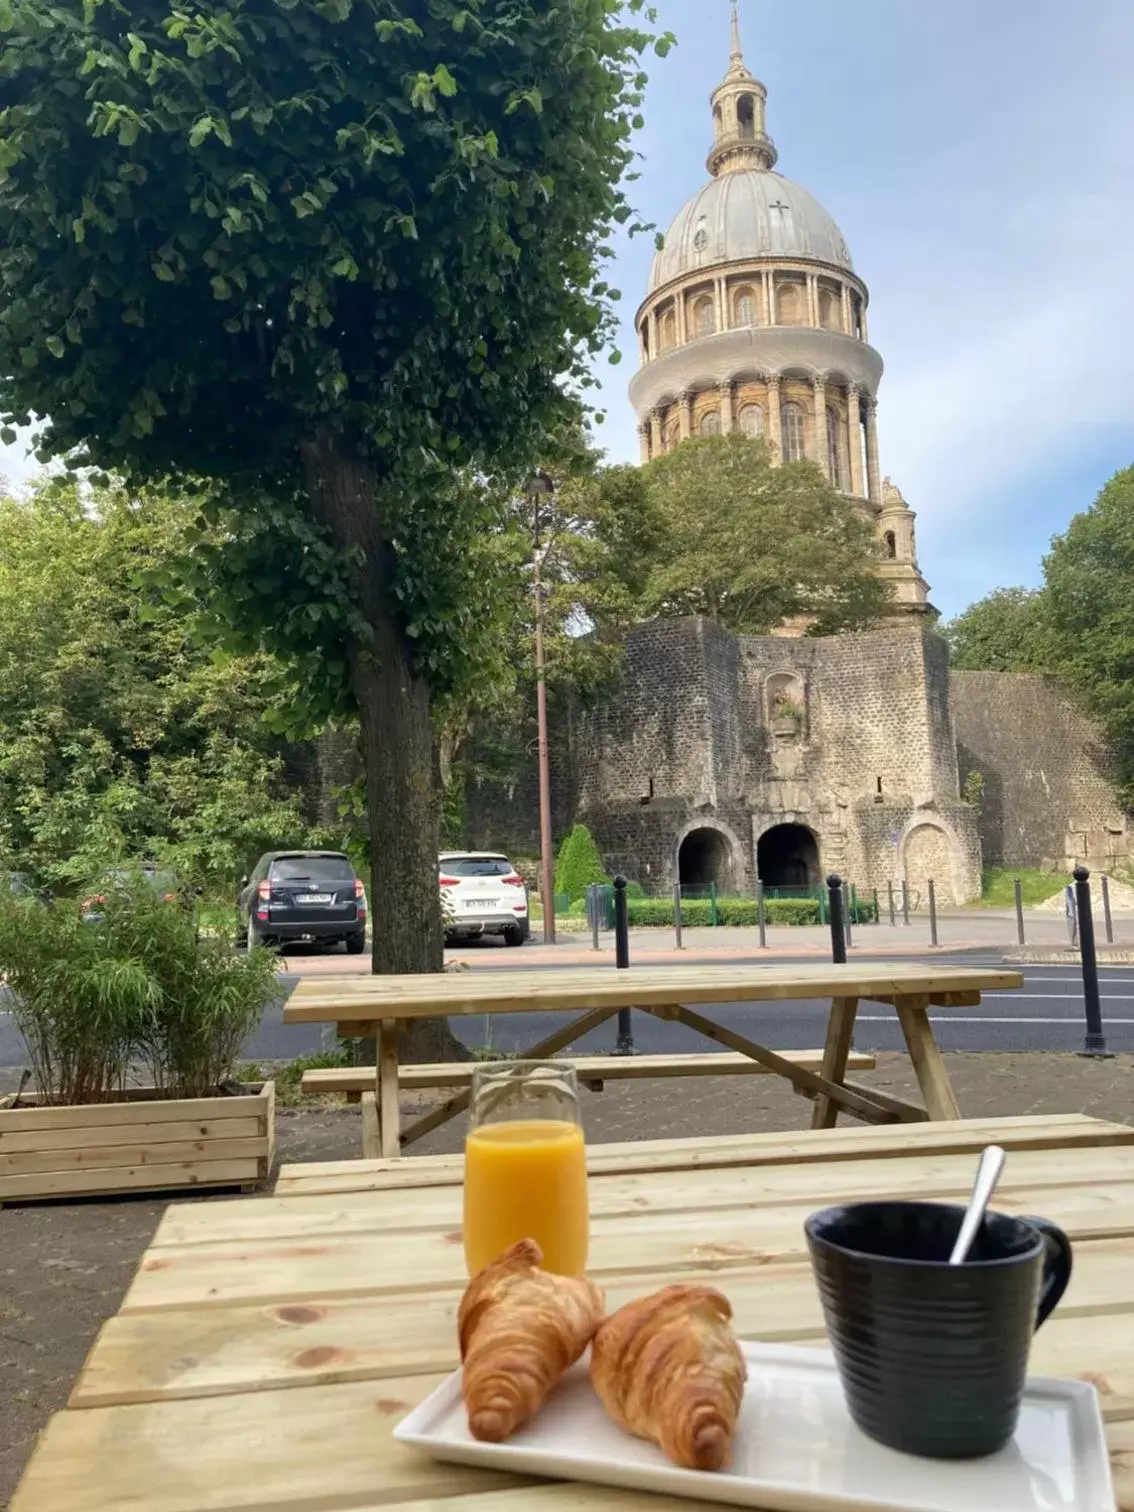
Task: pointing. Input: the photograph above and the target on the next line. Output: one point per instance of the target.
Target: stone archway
(928, 854)
(705, 857)
(787, 855)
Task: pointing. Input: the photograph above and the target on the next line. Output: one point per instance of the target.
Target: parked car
(482, 894)
(168, 885)
(309, 897)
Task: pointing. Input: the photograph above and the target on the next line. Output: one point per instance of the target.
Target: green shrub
(579, 864)
(136, 985)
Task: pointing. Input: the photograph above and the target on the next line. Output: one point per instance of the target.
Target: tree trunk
(397, 742)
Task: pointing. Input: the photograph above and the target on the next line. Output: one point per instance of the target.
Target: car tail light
(448, 881)
(513, 881)
(519, 908)
(265, 892)
(359, 899)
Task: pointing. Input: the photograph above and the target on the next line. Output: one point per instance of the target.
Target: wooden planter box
(142, 1144)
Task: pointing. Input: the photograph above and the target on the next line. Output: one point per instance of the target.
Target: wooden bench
(1056, 1132)
(593, 1071)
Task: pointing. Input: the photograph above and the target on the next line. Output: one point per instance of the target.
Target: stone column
(854, 436)
(652, 319)
(848, 322)
(723, 320)
(657, 435)
(774, 430)
(727, 422)
(769, 297)
(873, 471)
(644, 443)
(865, 328)
(686, 402)
(813, 299)
(682, 332)
(819, 424)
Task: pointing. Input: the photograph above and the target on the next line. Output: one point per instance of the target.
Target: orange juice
(527, 1180)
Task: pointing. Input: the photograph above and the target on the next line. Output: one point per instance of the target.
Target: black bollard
(1018, 889)
(877, 914)
(838, 920)
(594, 909)
(1095, 1044)
(761, 916)
(906, 903)
(893, 913)
(677, 914)
(625, 1042)
(932, 913)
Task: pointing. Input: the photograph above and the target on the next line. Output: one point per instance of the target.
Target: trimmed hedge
(697, 912)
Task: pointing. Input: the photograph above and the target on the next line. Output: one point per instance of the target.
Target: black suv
(309, 897)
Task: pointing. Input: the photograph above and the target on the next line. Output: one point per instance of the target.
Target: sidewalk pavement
(990, 931)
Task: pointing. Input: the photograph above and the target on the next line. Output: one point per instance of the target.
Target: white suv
(482, 894)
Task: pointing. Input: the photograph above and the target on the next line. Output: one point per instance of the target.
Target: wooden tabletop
(451, 994)
(268, 1347)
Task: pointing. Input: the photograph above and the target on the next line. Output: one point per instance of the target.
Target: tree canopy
(1007, 631)
(751, 544)
(121, 736)
(323, 256)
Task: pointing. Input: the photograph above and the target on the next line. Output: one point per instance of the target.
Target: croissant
(520, 1330)
(668, 1368)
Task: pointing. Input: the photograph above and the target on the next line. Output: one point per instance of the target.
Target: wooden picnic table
(377, 1006)
(268, 1347)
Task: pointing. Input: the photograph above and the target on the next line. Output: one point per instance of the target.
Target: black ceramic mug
(932, 1356)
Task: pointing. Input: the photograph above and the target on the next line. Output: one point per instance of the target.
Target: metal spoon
(988, 1174)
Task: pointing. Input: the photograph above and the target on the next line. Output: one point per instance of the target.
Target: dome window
(746, 118)
(792, 430)
(744, 307)
(752, 421)
(668, 331)
(830, 310)
(705, 316)
(789, 303)
(710, 424)
(890, 542)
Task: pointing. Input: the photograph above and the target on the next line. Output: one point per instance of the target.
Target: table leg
(840, 1034)
(371, 1142)
(389, 1124)
(932, 1076)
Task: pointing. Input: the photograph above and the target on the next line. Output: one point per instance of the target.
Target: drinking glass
(526, 1165)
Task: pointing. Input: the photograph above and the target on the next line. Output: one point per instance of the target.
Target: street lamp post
(540, 488)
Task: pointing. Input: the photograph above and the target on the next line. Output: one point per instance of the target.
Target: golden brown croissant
(520, 1329)
(668, 1368)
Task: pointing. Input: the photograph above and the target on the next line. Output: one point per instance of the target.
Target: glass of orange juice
(526, 1165)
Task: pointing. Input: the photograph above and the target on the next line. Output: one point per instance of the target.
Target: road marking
(1063, 997)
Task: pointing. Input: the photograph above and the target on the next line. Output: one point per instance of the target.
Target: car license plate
(481, 903)
(315, 898)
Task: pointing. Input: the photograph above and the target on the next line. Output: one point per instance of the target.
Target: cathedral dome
(744, 215)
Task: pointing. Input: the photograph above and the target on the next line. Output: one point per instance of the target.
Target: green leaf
(444, 81)
(221, 287)
(55, 345)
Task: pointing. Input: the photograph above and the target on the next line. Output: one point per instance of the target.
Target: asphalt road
(1047, 1014)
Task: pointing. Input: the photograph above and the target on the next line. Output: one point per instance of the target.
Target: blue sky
(977, 156)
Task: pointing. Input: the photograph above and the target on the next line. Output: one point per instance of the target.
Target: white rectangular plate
(796, 1448)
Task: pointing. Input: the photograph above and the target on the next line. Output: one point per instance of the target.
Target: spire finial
(737, 50)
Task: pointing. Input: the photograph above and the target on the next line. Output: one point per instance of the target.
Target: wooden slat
(112, 1157)
(427, 996)
(175, 1110)
(319, 1450)
(181, 1174)
(208, 1275)
(947, 1177)
(1059, 1131)
(127, 1134)
(162, 1355)
(589, 1068)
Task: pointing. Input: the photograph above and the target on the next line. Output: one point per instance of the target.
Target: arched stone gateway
(929, 854)
(788, 856)
(705, 856)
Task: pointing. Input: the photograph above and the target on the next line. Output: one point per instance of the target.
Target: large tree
(121, 734)
(1089, 602)
(322, 255)
(1007, 631)
(751, 544)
